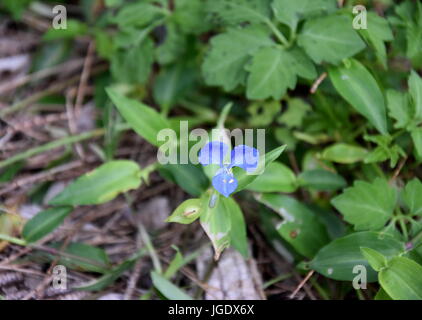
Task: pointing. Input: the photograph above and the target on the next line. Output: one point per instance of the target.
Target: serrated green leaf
(368, 206)
(358, 87)
(277, 177)
(416, 135)
(322, 180)
(230, 51)
(300, 228)
(322, 44)
(378, 31)
(133, 64)
(295, 113)
(101, 185)
(412, 196)
(44, 223)
(415, 90)
(399, 108)
(187, 212)
(292, 12)
(344, 153)
(274, 70)
(234, 12)
(337, 259)
(138, 14)
(143, 119)
(402, 279)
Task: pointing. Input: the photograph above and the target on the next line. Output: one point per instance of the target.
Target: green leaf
(73, 29)
(216, 222)
(190, 16)
(300, 227)
(296, 110)
(324, 45)
(277, 177)
(96, 259)
(171, 84)
(143, 119)
(133, 64)
(412, 197)
(322, 180)
(375, 259)
(173, 46)
(376, 34)
(138, 14)
(415, 90)
(337, 259)
(44, 223)
(167, 289)
(382, 295)
(189, 177)
(108, 278)
(358, 87)
(402, 279)
(230, 51)
(101, 185)
(416, 135)
(399, 108)
(344, 153)
(368, 206)
(274, 70)
(238, 238)
(234, 12)
(292, 12)
(245, 179)
(187, 212)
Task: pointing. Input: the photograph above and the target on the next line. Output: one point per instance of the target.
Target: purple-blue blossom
(216, 152)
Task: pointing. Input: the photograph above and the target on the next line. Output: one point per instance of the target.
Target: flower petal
(245, 157)
(225, 183)
(213, 153)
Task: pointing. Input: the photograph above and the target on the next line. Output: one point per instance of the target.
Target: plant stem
(277, 33)
(14, 240)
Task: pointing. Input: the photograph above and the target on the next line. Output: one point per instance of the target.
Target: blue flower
(215, 152)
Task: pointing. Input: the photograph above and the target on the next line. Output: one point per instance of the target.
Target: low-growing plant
(342, 111)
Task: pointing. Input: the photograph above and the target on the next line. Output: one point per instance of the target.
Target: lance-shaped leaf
(402, 279)
(412, 196)
(344, 153)
(244, 179)
(225, 63)
(277, 177)
(368, 206)
(338, 259)
(300, 227)
(415, 90)
(376, 34)
(44, 223)
(216, 222)
(330, 39)
(143, 119)
(101, 185)
(358, 87)
(238, 238)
